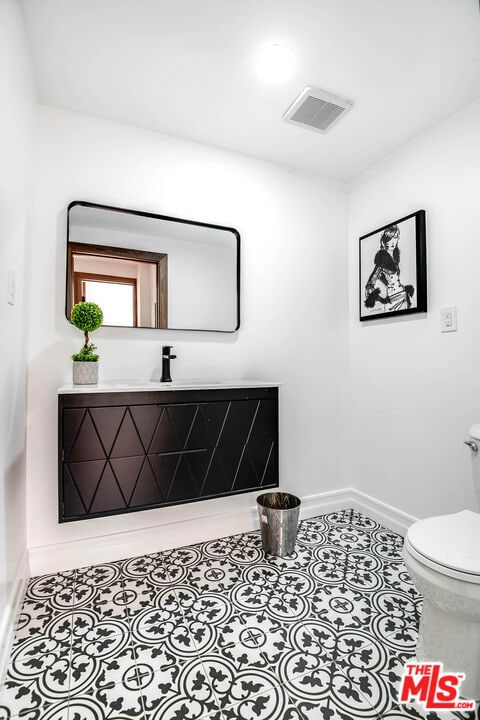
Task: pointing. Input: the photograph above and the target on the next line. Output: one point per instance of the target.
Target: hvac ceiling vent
(317, 110)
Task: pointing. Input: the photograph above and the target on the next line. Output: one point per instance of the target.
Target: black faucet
(166, 357)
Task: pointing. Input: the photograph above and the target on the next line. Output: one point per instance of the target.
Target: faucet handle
(166, 352)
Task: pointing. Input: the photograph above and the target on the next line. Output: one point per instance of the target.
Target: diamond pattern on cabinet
(173, 429)
(126, 471)
(117, 458)
(107, 423)
(86, 443)
(239, 422)
(164, 467)
(108, 495)
(146, 419)
(86, 476)
(252, 466)
(207, 425)
(127, 442)
(71, 423)
(146, 490)
(71, 496)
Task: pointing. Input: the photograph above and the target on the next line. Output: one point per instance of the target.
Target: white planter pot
(85, 373)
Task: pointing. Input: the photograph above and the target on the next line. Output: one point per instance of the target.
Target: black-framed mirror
(153, 271)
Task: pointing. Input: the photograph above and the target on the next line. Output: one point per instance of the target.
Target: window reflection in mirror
(116, 297)
(140, 276)
(163, 272)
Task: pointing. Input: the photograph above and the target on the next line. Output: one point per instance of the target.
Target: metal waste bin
(278, 514)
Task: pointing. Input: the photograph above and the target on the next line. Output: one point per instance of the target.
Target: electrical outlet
(448, 319)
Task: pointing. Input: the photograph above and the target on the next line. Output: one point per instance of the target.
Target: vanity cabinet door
(122, 452)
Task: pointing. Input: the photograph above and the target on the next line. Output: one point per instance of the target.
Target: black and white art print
(393, 273)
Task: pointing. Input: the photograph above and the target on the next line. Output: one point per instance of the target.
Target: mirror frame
(143, 213)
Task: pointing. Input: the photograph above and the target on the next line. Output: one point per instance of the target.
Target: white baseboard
(108, 548)
(313, 505)
(11, 612)
(118, 546)
(385, 514)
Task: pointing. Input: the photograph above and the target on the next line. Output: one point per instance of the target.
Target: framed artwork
(393, 269)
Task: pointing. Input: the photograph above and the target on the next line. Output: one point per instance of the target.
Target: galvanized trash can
(278, 514)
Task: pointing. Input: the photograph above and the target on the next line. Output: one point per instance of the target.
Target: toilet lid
(452, 542)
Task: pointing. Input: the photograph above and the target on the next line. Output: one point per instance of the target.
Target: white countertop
(148, 385)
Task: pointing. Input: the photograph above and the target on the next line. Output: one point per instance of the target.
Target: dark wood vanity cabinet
(128, 451)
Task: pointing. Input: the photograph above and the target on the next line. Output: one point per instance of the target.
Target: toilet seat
(449, 544)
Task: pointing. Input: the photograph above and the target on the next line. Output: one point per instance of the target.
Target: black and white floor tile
(221, 631)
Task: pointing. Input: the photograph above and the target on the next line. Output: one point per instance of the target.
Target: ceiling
(113, 219)
(186, 68)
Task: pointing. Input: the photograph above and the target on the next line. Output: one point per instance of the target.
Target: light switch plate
(11, 287)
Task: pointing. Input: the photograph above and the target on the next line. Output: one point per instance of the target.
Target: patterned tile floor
(219, 630)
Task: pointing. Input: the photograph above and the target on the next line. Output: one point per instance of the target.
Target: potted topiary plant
(87, 317)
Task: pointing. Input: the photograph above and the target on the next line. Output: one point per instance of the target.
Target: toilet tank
(474, 433)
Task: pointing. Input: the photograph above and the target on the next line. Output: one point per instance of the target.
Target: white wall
(414, 390)
(294, 300)
(17, 120)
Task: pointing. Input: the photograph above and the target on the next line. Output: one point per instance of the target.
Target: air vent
(317, 110)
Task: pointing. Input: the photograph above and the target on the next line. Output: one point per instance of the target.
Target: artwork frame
(388, 285)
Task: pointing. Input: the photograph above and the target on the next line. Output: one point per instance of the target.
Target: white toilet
(442, 555)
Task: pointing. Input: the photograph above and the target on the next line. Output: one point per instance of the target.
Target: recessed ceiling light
(275, 63)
